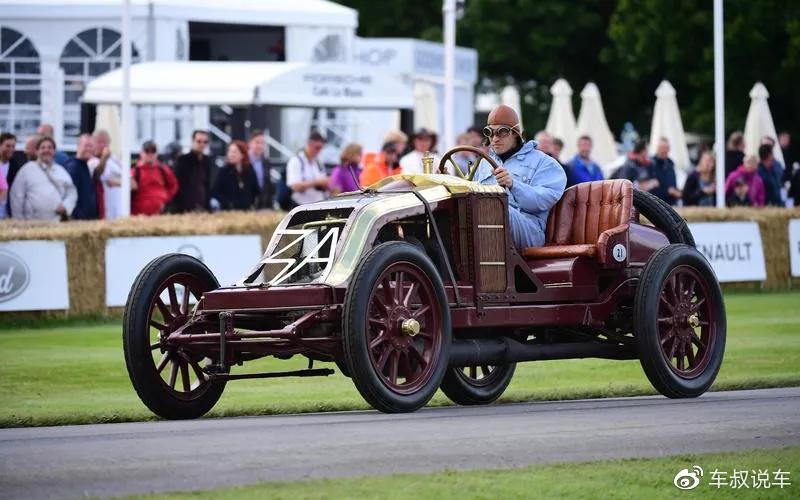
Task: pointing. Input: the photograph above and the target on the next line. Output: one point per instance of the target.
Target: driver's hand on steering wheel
(503, 177)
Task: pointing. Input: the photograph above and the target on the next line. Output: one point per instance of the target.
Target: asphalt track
(118, 459)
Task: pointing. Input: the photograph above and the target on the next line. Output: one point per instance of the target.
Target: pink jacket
(3, 182)
(755, 185)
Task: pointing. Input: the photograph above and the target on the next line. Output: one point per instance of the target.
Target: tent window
(20, 83)
(86, 56)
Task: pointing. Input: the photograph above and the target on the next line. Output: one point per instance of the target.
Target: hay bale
(773, 223)
(85, 243)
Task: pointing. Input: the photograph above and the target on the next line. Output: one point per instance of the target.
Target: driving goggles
(501, 131)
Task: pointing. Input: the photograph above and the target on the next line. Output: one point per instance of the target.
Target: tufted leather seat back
(588, 209)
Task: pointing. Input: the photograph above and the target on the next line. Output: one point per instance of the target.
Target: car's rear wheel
(396, 328)
(663, 217)
(168, 379)
(477, 385)
(679, 322)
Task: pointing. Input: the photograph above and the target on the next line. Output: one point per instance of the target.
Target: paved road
(115, 459)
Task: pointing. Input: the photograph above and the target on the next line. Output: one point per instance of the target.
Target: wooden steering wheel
(448, 156)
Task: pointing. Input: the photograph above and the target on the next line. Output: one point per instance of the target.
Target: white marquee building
(53, 51)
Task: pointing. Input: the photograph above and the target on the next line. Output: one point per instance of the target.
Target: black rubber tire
(463, 391)
(136, 341)
(356, 354)
(653, 361)
(663, 216)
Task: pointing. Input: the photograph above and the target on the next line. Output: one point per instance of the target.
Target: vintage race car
(414, 284)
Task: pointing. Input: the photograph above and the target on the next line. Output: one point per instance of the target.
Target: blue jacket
(583, 172)
(538, 184)
(86, 208)
(664, 171)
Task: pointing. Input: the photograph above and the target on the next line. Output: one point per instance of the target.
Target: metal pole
(719, 103)
(126, 125)
(449, 11)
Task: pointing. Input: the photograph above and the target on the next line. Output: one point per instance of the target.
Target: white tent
(592, 122)
(667, 123)
(561, 120)
(245, 83)
(759, 123)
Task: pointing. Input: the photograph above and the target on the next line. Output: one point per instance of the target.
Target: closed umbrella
(561, 120)
(759, 123)
(667, 123)
(510, 97)
(592, 122)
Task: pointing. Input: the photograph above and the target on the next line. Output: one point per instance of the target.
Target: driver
(533, 180)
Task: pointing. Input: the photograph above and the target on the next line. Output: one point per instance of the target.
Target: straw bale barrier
(85, 243)
(773, 223)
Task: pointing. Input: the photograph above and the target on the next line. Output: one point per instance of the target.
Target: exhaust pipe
(504, 350)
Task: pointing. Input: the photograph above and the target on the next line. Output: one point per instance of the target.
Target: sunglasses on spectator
(500, 132)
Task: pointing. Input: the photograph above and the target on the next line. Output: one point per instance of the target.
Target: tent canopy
(759, 123)
(276, 12)
(592, 122)
(561, 120)
(667, 123)
(245, 83)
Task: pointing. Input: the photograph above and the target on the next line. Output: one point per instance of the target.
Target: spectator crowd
(43, 182)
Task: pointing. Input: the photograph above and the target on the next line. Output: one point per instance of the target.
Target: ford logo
(14, 275)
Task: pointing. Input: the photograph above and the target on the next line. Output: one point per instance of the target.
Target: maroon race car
(414, 284)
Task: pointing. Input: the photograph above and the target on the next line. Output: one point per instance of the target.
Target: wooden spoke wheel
(679, 321)
(396, 328)
(477, 385)
(169, 379)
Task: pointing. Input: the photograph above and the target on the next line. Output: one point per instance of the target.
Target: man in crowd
(778, 168)
(257, 150)
(767, 170)
(662, 168)
(558, 146)
(9, 166)
(30, 147)
(581, 168)
(534, 181)
(423, 141)
(734, 152)
(193, 172)
(78, 169)
(107, 172)
(43, 189)
(153, 185)
(635, 168)
(305, 176)
(46, 130)
(544, 142)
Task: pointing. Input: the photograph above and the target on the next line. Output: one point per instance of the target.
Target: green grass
(623, 479)
(76, 373)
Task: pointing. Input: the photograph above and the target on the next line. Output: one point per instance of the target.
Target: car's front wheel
(396, 328)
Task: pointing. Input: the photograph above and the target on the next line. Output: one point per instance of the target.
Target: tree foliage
(625, 46)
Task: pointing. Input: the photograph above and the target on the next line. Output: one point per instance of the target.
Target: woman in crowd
(236, 185)
(700, 188)
(755, 186)
(344, 176)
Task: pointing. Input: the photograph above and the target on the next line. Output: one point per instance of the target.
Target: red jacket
(156, 187)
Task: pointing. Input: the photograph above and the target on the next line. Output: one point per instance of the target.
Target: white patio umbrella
(510, 97)
(667, 123)
(592, 122)
(759, 123)
(561, 120)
